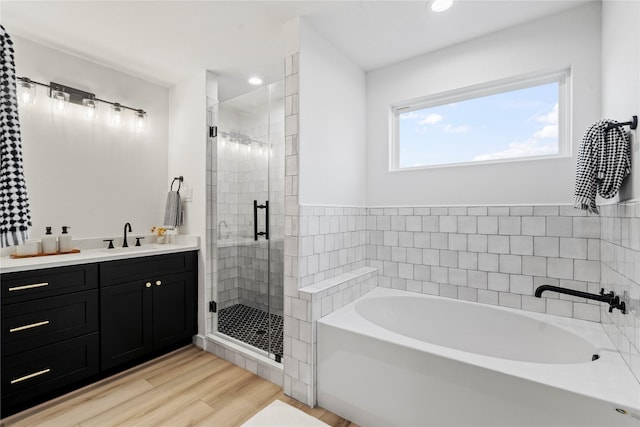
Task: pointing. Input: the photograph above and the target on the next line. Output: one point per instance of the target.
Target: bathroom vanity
(86, 318)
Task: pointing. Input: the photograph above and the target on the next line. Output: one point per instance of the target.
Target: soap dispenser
(49, 242)
(64, 240)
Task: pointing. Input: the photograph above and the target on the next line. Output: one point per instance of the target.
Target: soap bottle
(64, 240)
(49, 242)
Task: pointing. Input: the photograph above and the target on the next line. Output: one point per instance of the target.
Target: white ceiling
(168, 41)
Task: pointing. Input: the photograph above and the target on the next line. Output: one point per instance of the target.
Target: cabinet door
(32, 324)
(34, 375)
(125, 319)
(173, 309)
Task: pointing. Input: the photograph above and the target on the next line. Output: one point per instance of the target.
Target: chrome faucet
(220, 224)
(124, 243)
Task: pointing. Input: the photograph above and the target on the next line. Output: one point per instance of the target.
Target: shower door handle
(264, 233)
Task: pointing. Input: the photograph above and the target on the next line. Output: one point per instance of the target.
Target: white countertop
(94, 250)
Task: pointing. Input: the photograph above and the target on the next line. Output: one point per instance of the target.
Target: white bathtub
(396, 358)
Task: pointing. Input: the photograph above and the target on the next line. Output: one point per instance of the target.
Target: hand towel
(16, 215)
(604, 160)
(173, 216)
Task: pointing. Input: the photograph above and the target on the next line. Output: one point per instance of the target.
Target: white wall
(332, 124)
(84, 174)
(621, 76)
(188, 158)
(568, 39)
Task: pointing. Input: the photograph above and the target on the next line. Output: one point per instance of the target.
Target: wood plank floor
(188, 387)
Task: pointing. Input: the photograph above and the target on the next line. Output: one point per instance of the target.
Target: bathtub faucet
(610, 298)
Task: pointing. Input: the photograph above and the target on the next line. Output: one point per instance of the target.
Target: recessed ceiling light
(255, 81)
(441, 5)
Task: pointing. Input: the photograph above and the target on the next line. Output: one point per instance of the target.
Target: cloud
(551, 117)
(431, 119)
(411, 115)
(549, 131)
(456, 129)
(532, 146)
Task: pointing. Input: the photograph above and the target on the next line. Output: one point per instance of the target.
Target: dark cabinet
(64, 327)
(150, 310)
(50, 337)
(125, 315)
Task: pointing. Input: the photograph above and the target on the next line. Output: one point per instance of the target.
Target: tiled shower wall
(242, 275)
(494, 255)
(620, 254)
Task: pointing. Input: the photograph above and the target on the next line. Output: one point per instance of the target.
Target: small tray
(72, 251)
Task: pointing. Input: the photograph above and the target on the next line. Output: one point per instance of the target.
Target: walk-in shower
(247, 154)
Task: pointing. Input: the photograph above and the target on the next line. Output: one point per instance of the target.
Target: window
(515, 119)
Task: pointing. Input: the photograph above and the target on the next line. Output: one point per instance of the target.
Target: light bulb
(90, 108)
(60, 100)
(27, 91)
(441, 5)
(140, 120)
(256, 81)
(116, 115)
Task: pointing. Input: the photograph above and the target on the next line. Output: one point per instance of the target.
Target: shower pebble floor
(250, 325)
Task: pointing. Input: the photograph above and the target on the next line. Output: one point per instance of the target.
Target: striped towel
(604, 160)
(173, 215)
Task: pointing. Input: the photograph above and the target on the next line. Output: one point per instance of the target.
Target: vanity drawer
(126, 270)
(35, 373)
(45, 321)
(35, 284)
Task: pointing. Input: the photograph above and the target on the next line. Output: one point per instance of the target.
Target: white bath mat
(280, 414)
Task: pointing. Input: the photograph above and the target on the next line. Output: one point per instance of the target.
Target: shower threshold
(251, 325)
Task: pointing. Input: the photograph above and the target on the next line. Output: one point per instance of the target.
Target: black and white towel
(16, 216)
(604, 160)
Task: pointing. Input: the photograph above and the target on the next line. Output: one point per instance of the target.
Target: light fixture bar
(77, 96)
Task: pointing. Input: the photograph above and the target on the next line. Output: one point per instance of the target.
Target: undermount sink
(133, 249)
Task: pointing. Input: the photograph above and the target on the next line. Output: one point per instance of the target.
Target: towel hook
(179, 179)
(633, 124)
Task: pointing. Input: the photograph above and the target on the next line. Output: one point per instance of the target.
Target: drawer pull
(158, 283)
(32, 325)
(27, 377)
(148, 284)
(22, 288)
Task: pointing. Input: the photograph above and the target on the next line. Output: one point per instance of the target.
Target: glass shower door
(248, 224)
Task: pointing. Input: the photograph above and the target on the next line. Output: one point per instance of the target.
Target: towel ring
(179, 179)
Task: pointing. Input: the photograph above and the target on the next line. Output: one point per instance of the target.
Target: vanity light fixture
(441, 5)
(116, 115)
(256, 81)
(27, 91)
(140, 122)
(90, 104)
(60, 100)
(64, 95)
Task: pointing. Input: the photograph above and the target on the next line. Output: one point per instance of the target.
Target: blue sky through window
(519, 123)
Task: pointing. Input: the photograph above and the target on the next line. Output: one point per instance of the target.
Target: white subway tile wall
(494, 255)
(332, 241)
(620, 267)
(312, 303)
(297, 381)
